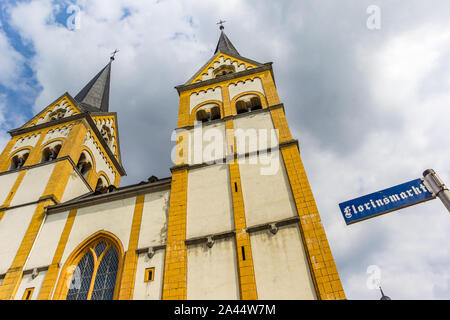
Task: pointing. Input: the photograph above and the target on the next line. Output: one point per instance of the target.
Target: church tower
(69, 149)
(243, 223)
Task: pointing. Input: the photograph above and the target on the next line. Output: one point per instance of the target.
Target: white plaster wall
(57, 133)
(75, 187)
(13, 226)
(33, 184)
(6, 183)
(212, 272)
(154, 219)
(207, 143)
(115, 217)
(149, 290)
(280, 264)
(266, 190)
(255, 132)
(202, 96)
(47, 240)
(101, 163)
(249, 85)
(209, 202)
(29, 282)
(28, 141)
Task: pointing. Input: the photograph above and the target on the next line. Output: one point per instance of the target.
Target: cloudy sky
(370, 107)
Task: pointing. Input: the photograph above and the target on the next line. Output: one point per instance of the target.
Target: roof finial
(113, 54)
(221, 22)
(383, 296)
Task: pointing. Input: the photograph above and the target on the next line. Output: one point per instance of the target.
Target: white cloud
(11, 63)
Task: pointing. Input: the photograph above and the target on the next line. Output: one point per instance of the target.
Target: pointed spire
(224, 45)
(95, 95)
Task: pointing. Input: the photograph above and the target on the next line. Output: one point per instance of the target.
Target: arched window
(250, 104)
(205, 115)
(255, 103)
(202, 115)
(18, 160)
(215, 113)
(101, 183)
(84, 165)
(241, 107)
(50, 153)
(95, 275)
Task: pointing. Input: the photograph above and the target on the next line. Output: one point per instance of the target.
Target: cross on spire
(113, 54)
(221, 22)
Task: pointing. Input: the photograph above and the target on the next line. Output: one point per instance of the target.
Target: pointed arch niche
(93, 270)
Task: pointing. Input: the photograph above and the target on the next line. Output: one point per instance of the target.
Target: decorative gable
(222, 64)
(63, 107)
(107, 127)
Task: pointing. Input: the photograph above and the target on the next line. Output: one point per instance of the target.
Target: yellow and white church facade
(237, 223)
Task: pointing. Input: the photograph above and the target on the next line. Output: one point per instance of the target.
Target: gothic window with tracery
(95, 276)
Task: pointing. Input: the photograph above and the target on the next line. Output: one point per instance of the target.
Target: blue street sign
(384, 201)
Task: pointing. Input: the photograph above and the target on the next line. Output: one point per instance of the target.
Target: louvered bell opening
(241, 107)
(202, 115)
(255, 103)
(215, 113)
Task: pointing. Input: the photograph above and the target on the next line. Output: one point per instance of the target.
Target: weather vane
(221, 22)
(113, 54)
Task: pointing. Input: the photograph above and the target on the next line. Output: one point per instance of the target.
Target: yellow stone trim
(52, 272)
(217, 59)
(184, 109)
(270, 89)
(130, 263)
(14, 275)
(149, 274)
(227, 107)
(14, 188)
(281, 125)
(79, 252)
(247, 282)
(175, 264)
(182, 148)
(95, 118)
(44, 112)
(322, 265)
(246, 272)
(4, 156)
(323, 269)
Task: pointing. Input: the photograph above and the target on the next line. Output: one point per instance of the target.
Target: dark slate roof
(224, 45)
(94, 97)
